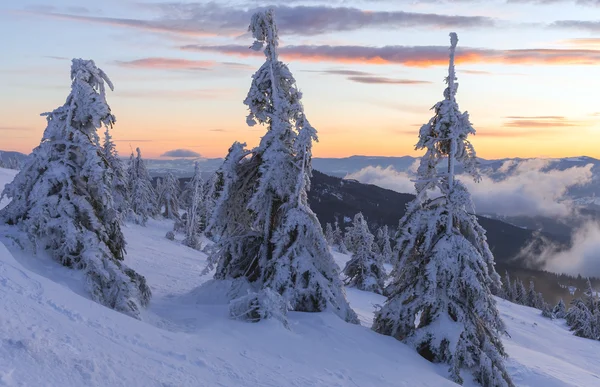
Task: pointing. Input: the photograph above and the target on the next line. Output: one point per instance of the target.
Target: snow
(52, 334)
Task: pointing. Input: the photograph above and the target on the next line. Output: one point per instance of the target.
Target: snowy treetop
(86, 108)
(446, 134)
(264, 31)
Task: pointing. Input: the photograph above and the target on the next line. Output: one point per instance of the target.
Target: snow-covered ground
(51, 334)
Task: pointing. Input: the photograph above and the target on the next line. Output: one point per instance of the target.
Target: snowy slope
(51, 334)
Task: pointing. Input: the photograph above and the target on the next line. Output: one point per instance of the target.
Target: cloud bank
(528, 189)
(180, 153)
(413, 56)
(583, 257)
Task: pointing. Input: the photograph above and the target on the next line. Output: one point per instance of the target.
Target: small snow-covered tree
(143, 201)
(520, 292)
(383, 240)
(581, 320)
(540, 301)
(329, 236)
(120, 192)
(210, 201)
(11, 163)
(532, 296)
(168, 196)
(560, 310)
(63, 198)
(338, 239)
(508, 288)
(364, 270)
(279, 243)
(194, 218)
(353, 233)
(583, 317)
(547, 311)
(589, 297)
(440, 297)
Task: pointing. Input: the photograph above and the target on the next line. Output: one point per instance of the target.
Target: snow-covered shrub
(170, 235)
(547, 311)
(560, 310)
(266, 304)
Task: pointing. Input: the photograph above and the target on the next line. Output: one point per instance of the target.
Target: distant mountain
(333, 198)
(8, 156)
(348, 165)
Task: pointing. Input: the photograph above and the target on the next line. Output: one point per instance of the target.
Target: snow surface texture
(52, 334)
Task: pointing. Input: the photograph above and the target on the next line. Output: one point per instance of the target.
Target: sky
(369, 71)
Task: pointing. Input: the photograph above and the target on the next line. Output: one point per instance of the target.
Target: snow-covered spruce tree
(168, 196)
(547, 311)
(540, 301)
(560, 310)
(531, 297)
(520, 292)
(338, 239)
(589, 297)
(194, 210)
(141, 194)
(329, 236)
(120, 192)
(281, 246)
(209, 201)
(383, 240)
(507, 288)
(581, 320)
(353, 235)
(62, 196)
(440, 299)
(583, 316)
(365, 269)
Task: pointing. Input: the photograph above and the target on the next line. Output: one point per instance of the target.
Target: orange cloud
(177, 93)
(417, 56)
(540, 122)
(168, 64)
(582, 42)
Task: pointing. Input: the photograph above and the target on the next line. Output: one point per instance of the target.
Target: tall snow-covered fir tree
(143, 200)
(62, 197)
(120, 191)
(168, 196)
(194, 215)
(278, 242)
(364, 270)
(440, 298)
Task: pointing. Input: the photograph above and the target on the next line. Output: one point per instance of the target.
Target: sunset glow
(369, 72)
